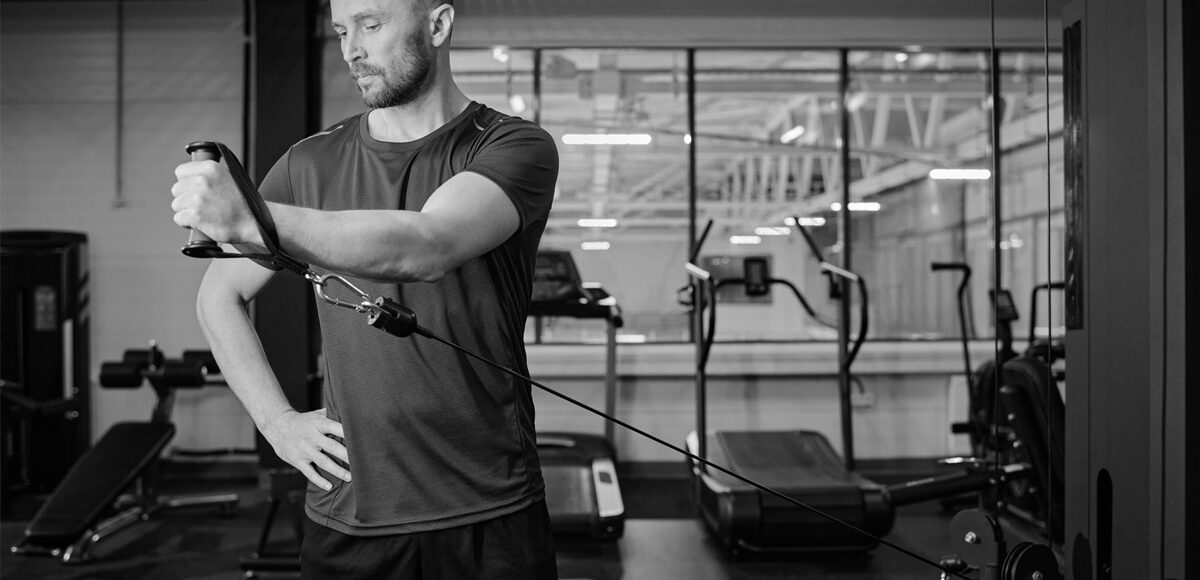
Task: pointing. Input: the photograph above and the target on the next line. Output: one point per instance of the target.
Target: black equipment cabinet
(44, 357)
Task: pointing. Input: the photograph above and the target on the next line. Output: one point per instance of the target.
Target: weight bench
(89, 504)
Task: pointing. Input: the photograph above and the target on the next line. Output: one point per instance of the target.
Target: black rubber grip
(205, 358)
(143, 358)
(198, 244)
(121, 375)
(937, 266)
(179, 374)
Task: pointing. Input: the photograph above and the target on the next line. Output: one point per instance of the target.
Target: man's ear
(441, 23)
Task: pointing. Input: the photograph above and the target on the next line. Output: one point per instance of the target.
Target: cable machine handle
(199, 245)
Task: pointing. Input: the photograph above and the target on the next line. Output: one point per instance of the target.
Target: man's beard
(402, 84)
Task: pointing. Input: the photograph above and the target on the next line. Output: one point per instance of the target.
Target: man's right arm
(298, 438)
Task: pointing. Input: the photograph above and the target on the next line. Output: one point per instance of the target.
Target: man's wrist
(270, 424)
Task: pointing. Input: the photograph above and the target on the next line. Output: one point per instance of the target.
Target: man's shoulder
(330, 135)
(498, 124)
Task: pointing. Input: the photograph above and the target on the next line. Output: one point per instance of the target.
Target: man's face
(385, 43)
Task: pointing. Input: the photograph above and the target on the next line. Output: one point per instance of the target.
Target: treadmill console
(558, 290)
(555, 277)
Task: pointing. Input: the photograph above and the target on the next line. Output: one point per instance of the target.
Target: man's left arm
(467, 216)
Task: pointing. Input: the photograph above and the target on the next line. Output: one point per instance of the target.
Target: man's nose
(351, 48)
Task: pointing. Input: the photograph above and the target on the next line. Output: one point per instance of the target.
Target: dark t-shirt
(435, 438)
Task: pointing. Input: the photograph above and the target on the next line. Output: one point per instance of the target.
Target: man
(423, 462)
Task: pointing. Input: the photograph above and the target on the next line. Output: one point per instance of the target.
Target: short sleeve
(521, 158)
(276, 187)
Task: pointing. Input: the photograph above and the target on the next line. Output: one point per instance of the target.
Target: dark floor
(662, 541)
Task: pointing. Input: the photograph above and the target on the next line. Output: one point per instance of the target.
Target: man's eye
(372, 26)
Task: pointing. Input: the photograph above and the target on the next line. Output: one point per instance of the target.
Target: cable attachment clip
(393, 318)
(318, 281)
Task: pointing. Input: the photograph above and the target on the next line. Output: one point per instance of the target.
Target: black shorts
(517, 546)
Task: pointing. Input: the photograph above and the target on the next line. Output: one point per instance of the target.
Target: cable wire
(692, 456)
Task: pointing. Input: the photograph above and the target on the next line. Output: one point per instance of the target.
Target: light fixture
(772, 231)
(517, 102)
(806, 221)
(687, 139)
(901, 57)
(792, 134)
(857, 206)
(1014, 242)
(855, 102)
(500, 53)
(960, 174)
(594, 246)
(606, 139)
(745, 240)
(597, 223)
(631, 338)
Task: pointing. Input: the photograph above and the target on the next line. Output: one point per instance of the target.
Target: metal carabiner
(318, 281)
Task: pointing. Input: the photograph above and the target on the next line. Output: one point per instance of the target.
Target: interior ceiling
(910, 111)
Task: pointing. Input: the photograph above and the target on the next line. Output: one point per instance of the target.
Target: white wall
(59, 171)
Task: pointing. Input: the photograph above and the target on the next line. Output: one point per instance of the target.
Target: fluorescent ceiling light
(517, 102)
(960, 174)
(745, 240)
(806, 221)
(857, 206)
(597, 223)
(772, 231)
(595, 246)
(631, 338)
(791, 134)
(606, 139)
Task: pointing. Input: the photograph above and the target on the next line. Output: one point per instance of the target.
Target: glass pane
(619, 117)
(767, 150)
(1031, 245)
(914, 116)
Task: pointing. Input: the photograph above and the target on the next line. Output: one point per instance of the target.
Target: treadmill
(583, 494)
(799, 464)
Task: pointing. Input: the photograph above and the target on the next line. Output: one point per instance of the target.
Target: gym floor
(662, 540)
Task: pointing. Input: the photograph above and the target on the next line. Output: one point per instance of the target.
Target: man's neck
(419, 118)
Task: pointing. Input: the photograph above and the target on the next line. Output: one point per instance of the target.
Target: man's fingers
(334, 448)
(334, 428)
(205, 167)
(325, 463)
(311, 474)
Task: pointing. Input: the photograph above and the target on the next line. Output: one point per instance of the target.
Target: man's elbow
(214, 298)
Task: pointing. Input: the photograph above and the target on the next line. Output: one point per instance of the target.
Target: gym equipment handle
(938, 266)
(198, 244)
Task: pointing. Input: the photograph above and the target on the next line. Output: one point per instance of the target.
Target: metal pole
(610, 381)
(844, 284)
(697, 288)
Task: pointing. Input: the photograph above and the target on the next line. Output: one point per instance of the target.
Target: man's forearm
(235, 345)
(391, 245)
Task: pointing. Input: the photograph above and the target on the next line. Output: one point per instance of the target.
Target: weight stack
(45, 349)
